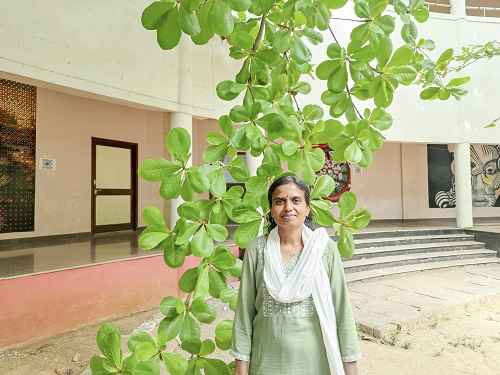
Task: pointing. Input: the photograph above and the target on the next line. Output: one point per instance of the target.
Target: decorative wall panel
(485, 175)
(17, 156)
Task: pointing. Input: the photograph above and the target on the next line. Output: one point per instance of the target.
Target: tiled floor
(47, 257)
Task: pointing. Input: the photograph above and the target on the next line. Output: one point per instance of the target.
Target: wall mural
(485, 175)
(340, 172)
(17, 156)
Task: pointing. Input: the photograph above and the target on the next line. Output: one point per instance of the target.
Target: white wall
(99, 48)
(378, 188)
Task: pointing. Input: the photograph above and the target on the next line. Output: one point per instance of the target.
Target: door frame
(132, 191)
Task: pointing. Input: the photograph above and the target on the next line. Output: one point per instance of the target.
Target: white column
(185, 121)
(183, 118)
(253, 162)
(463, 188)
(458, 8)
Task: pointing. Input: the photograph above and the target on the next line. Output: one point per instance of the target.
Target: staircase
(387, 253)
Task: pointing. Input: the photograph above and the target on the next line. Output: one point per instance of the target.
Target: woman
(293, 315)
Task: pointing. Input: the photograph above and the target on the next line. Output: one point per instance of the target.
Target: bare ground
(465, 340)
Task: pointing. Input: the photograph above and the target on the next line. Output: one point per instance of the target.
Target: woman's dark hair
(284, 180)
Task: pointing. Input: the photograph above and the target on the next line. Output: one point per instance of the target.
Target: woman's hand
(241, 367)
(350, 368)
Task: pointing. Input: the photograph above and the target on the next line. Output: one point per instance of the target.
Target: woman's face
(289, 207)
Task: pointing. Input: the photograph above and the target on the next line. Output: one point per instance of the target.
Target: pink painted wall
(42, 305)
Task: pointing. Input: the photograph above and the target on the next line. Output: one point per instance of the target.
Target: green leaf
(169, 30)
(238, 169)
(360, 219)
(299, 50)
(174, 255)
(316, 158)
(202, 245)
(321, 212)
(100, 366)
(215, 153)
(154, 219)
(228, 90)
(380, 119)
(207, 31)
(202, 288)
(187, 282)
(386, 23)
(175, 363)
(323, 187)
(217, 232)
(289, 148)
(190, 335)
(169, 329)
(326, 68)
(377, 7)
(239, 5)
(268, 56)
(203, 311)
(217, 283)
(420, 13)
(143, 346)
(152, 15)
(218, 186)
(403, 74)
(312, 112)
(221, 18)
(171, 307)
(207, 347)
(223, 259)
(171, 186)
(214, 366)
(445, 57)
(347, 203)
(109, 342)
(224, 334)
(338, 79)
(198, 180)
(409, 32)
(178, 143)
(429, 93)
(345, 243)
(189, 211)
(334, 4)
(226, 125)
(189, 22)
(458, 81)
(246, 232)
(382, 92)
(156, 170)
(245, 214)
(150, 240)
(402, 56)
(151, 367)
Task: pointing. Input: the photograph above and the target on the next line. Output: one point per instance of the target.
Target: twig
(349, 19)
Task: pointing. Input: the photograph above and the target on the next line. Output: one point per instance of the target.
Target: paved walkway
(386, 304)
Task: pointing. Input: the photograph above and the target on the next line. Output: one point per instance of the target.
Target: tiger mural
(485, 178)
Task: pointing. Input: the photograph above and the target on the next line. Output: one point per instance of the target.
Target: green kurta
(281, 339)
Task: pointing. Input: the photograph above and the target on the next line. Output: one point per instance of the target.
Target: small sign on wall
(48, 164)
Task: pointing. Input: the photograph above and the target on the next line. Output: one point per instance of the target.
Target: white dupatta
(308, 278)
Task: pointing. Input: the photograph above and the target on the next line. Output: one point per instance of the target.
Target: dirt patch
(463, 340)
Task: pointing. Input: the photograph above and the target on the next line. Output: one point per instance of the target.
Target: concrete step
(402, 240)
(407, 233)
(371, 274)
(371, 252)
(358, 265)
